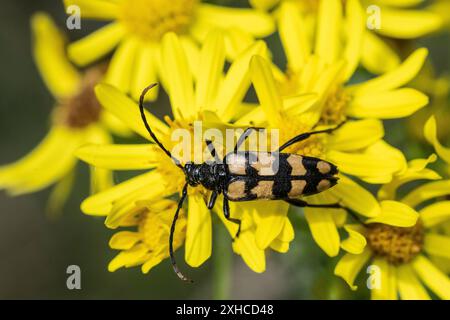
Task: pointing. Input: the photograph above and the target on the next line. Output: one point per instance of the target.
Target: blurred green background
(36, 251)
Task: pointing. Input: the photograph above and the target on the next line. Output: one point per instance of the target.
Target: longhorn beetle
(245, 176)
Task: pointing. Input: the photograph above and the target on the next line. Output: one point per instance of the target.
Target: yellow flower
(402, 257)
(385, 19)
(215, 101)
(313, 94)
(76, 120)
(138, 26)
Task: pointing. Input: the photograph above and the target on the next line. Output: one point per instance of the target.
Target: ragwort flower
(385, 20)
(313, 94)
(215, 101)
(77, 120)
(138, 26)
(405, 257)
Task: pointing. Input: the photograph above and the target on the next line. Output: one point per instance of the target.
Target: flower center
(151, 19)
(292, 127)
(334, 109)
(397, 245)
(83, 108)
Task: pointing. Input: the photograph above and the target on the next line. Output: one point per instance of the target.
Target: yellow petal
(322, 226)
(101, 179)
(355, 243)
(145, 71)
(253, 256)
(263, 4)
(101, 203)
(61, 78)
(245, 245)
(212, 59)
(128, 111)
(432, 277)
(426, 192)
(95, 9)
(430, 133)
(354, 30)
(114, 125)
(124, 240)
(388, 284)
(149, 264)
(396, 78)
(293, 36)
(179, 77)
(237, 82)
(408, 24)
(192, 52)
(356, 135)
(416, 171)
(395, 213)
(375, 164)
(409, 286)
(49, 162)
(435, 213)
(272, 218)
(59, 195)
(387, 104)
(356, 198)
(377, 56)
(437, 245)
(121, 67)
(120, 157)
(236, 41)
(350, 265)
(266, 89)
(287, 233)
(96, 45)
(134, 256)
(279, 246)
(199, 232)
(328, 30)
(255, 22)
(400, 3)
(133, 203)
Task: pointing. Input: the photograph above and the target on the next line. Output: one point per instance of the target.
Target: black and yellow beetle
(245, 176)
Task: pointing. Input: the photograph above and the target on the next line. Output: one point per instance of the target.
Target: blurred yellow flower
(383, 21)
(215, 101)
(402, 255)
(313, 94)
(138, 26)
(76, 120)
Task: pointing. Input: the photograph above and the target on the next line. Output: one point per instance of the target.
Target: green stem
(222, 264)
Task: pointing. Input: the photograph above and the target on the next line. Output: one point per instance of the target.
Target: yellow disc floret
(397, 245)
(151, 19)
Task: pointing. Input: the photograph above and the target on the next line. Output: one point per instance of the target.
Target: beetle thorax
(209, 175)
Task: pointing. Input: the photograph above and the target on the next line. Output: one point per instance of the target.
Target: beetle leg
(245, 135)
(212, 200)
(306, 135)
(172, 231)
(226, 211)
(303, 204)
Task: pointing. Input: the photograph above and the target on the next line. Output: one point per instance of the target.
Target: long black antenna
(172, 231)
(144, 118)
